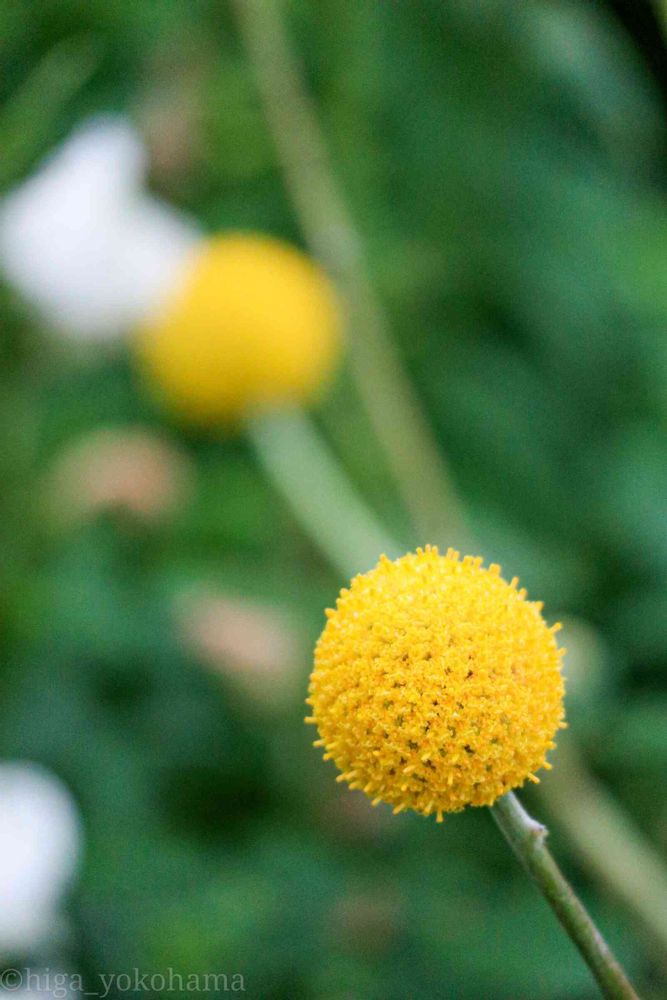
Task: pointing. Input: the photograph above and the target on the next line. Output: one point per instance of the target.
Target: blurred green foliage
(506, 166)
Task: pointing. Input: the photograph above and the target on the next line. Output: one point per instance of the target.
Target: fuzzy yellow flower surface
(254, 323)
(436, 684)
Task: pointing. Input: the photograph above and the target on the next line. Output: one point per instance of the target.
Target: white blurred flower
(85, 243)
(40, 841)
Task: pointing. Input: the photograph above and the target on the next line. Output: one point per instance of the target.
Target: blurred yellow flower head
(436, 684)
(253, 323)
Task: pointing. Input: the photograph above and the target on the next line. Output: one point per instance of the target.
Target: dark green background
(506, 165)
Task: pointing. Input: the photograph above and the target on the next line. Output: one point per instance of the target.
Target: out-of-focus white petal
(40, 842)
(157, 245)
(84, 243)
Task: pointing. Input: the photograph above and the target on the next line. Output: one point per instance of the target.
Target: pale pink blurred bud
(247, 642)
(130, 469)
(366, 921)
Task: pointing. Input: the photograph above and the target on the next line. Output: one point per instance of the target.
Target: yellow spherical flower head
(436, 684)
(254, 323)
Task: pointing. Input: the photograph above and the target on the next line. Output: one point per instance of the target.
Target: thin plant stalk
(30, 116)
(527, 838)
(305, 471)
(387, 395)
(608, 842)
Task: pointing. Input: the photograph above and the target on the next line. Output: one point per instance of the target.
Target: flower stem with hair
(399, 424)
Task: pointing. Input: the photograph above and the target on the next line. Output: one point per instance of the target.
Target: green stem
(306, 472)
(527, 838)
(388, 397)
(29, 118)
(606, 840)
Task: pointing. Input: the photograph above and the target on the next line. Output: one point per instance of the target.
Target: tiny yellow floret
(253, 323)
(436, 684)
